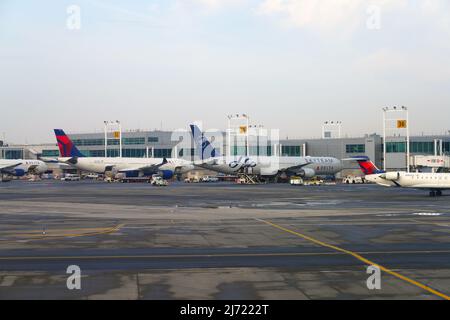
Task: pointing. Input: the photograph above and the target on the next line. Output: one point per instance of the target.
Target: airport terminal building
(159, 144)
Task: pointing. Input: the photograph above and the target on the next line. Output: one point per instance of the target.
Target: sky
(288, 64)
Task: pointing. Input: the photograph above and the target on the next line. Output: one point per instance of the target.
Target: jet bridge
(434, 162)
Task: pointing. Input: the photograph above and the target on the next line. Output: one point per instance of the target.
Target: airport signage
(402, 124)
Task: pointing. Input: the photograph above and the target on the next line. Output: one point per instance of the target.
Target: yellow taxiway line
(360, 258)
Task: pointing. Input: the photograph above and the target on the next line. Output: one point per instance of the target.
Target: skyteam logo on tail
(66, 146)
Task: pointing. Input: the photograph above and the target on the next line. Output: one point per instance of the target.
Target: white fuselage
(270, 166)
(417, 180)
(99, 165)
(26, 166)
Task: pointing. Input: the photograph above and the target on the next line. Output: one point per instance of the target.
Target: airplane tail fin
(367, 166)
(202, 144)
(66, 146)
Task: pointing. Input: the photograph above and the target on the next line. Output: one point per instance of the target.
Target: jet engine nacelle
(391, 176)
(306, 173)
(167, 174)
(19, 172)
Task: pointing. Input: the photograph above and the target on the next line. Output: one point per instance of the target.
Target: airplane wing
(297, 167)
(7, 167)
(49, 160)
(152, 167)
(210, 162)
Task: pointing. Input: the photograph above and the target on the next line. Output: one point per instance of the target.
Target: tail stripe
(66, 146)
(367, 166)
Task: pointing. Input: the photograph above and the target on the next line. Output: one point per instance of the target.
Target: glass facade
(128, 141)
(291, 151)
(95, 153)
(186, 152)
(50, 153)
(355, 148)
(113, 142)
(13, 154)
(395, 147)
(239, 151)
(113, 152)
(260, 151)
(446, 147)
(134, 153)
(163, 153)
(422, 147)
(153, 139)
(89, 142)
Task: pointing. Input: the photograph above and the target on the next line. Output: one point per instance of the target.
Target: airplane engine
(42, 168)
(38, 169)
(167, 174)
(19, 172)
(391, 176)
(306, 173)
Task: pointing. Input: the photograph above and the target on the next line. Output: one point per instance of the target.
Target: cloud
(214, 5)
(423, 65)
(324, 15)
(439, 10)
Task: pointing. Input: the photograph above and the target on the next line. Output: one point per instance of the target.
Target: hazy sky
(289, 64)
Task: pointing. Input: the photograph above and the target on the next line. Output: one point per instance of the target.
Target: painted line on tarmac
(219, 255)
(359, 257)
(74, 235)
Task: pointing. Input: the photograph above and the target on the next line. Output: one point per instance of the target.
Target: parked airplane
(435, 182)
(267, 166)
(20, 167)
(131, 167)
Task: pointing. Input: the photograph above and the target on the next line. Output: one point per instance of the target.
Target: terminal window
(89, 142)
(355, 148)
(50, 153)
(94, 153)
(396, 147)
(422, 147)
(163, 153)
(260, 151)
(134, 153)
(113, 153)
(291, 151)
(113, 142)
(186, 152)
(239, 150)
(13, 154)
(446, 147)
(138, 140)
(153, 139)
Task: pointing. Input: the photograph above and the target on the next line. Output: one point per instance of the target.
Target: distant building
(159, 144)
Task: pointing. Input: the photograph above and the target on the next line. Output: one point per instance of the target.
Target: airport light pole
(402, 123)
(329, 127)
(117, 135)
(245, 129)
